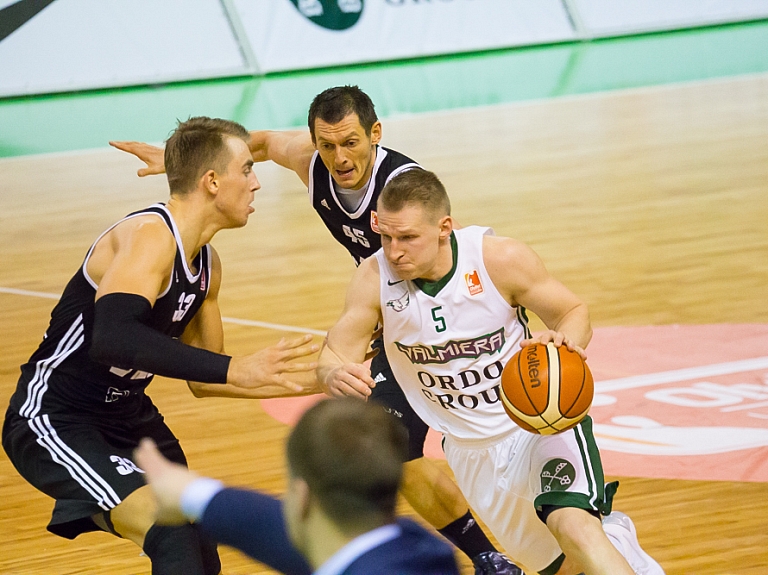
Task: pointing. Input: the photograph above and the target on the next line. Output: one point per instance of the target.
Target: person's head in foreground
(345, 462)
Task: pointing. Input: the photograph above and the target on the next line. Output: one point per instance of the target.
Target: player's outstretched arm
(205, 332)
(520, 275)
(341, 371)
(131, 265)
(291, 149)
(151, 155)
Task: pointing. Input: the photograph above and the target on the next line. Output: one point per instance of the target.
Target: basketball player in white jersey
(452, 303)
(344, 168)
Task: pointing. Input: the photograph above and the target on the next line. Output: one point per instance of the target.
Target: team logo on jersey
(114, 394)
(375, 221)
(473, 348)
(557, 475)
(400, 303)
(331, 14)
(474, 285)
(324, 203)
(202, 279)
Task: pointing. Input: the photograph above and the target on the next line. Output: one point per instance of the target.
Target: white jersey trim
(38, 385)
(80, 471)
(311, 186)
(90, 280)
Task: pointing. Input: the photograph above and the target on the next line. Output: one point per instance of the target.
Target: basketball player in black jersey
(143, 302)
(345, 169)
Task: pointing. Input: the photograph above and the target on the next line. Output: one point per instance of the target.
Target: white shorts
(507, 480)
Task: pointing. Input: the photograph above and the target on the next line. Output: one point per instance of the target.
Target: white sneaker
(621, 531)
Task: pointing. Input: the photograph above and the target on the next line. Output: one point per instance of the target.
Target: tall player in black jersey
(344, 168)
(143, 302)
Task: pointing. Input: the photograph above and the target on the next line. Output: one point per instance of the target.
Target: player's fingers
(289, 384)
(148, 457)
(351, 383)
(293, 343)
(361, 373)
(297, 352)
(294, 367)
(124, 146)
(356, 391)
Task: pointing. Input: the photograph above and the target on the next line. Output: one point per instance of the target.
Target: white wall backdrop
(612, 17)
(84, 44)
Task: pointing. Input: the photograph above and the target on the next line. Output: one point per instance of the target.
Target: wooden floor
(652, 205)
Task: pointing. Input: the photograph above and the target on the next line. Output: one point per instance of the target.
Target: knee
(575, 528)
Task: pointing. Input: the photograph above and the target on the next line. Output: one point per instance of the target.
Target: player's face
(238, 184)
(347, 151)
(414, 242)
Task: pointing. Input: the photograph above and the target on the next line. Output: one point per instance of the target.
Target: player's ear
(303, 497)
(210, 182)
(446, 226)
(376, 133)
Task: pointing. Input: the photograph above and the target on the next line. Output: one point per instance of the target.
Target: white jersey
(447, 342)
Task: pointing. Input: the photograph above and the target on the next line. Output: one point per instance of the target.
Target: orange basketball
(546, 389)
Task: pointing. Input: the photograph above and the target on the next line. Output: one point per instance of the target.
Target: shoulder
(366, 278)
(145, 231)
(502, 250)
(510, 263)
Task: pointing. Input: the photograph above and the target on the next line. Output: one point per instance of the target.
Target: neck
(325, 538)
(443, 263)
(195, 227)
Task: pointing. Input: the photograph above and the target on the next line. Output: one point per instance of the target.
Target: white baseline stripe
(681, 374)
(254, 323)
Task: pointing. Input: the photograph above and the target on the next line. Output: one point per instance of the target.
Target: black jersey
(61, 378)
(357, 231)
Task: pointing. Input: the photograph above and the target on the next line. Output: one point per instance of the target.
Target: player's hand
(349, 380)
(556, 337)
(150, 155)
(166, 479)
(273, 365)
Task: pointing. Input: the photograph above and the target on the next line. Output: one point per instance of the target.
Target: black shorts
(87, 467)
(389, 394)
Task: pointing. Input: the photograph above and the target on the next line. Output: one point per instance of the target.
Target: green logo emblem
(331, 14)
(557, 475)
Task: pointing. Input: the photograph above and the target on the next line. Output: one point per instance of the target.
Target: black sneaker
(495, 563)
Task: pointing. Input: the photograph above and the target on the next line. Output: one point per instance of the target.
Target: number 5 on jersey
(439, 320)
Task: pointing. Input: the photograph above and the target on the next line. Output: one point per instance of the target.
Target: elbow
(197, 389)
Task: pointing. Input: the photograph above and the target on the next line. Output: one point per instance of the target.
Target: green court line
(56, 123)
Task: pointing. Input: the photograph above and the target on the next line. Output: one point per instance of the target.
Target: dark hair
(351, 455)
(196, 146)
(416, 186)
(335, 104)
